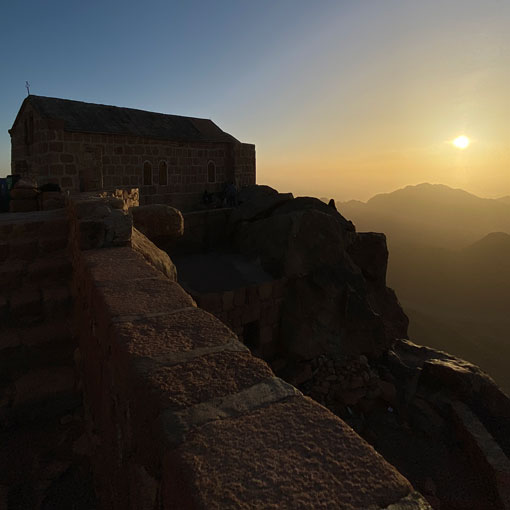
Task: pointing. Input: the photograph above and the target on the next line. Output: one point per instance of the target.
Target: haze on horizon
(344, 99)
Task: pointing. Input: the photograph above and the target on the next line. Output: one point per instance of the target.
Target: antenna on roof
(27, 86)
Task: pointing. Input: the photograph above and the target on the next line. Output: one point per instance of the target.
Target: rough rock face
(336, 299)
(156, 257)
(162, 224)
(440, 420)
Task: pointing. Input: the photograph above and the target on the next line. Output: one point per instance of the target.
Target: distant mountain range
(432, 214)
(450, 266)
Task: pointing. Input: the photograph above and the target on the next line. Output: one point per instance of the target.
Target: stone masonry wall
(181, 415)
(252, 312)
(44, 462)
(55, 155)
(203, 231)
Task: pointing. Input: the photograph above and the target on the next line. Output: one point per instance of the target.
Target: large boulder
(256, 202)
(306, 203)
(153, 255)
(162, 224)
(292, 244)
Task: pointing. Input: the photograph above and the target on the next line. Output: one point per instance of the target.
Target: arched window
(147, 174)
(163, 174)
(211, 172)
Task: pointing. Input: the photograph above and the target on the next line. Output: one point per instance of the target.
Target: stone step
(32, 304)
(43, 270)
(31, 249)
(56, 330)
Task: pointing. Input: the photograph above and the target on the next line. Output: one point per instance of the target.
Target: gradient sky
(342, 98)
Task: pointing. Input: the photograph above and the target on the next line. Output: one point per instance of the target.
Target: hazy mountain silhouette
(432, 214)
(450, 266)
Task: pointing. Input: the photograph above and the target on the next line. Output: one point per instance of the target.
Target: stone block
(265, 290)
(23, 194)
(252, 295)
(4, 252)
(4, 309)
(251, 313)
(23, 250)
(119, 228)
(23, 205)
(43, 383)
(91, 234)
(239, 297)
(11, 274)
(25, 302)
(52, 244)
(212, 302)
(228, 300)
(136, 297)
(58, 330)
(52, 204)
(278, 288)
(49, 269)
(56, 301)
(221, 456)
(266, 335)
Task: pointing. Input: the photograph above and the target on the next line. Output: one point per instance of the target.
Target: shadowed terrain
(450, 266)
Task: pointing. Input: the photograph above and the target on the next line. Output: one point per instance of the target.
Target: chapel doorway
(91, 169)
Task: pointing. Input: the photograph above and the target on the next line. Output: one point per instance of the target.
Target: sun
(461, 142)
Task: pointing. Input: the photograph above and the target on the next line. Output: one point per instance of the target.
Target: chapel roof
(84, 117)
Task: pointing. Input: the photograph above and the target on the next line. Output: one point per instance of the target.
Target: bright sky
(342, 98)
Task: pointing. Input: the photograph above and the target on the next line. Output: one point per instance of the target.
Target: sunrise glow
(461, 142)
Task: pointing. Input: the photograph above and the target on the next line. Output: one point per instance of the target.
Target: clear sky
(342, 98)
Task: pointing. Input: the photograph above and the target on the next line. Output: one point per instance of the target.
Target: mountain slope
(432, 214)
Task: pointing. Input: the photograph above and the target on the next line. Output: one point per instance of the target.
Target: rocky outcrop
(153, 255)
(162, 224)
(336, 299)
(440, 420)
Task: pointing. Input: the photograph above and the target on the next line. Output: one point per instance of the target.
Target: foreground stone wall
(42, 434)
(181, 415)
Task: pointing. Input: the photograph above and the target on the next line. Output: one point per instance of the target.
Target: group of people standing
(227, 198)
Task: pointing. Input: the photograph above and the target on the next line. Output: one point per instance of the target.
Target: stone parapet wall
(203, 231)
(41, 420)
(181, 415)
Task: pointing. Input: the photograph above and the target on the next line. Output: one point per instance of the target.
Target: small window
(211, 172)
(147, 174)
(163, 174)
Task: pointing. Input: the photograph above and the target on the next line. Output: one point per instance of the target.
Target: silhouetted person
(207, 198)
(332, 204)
(231, 194)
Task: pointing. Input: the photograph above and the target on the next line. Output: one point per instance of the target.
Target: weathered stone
(23, 193)
(256, 202)
(230, 450)
(26, 205)
(162, 224)
(44, 383)
(153, 255)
